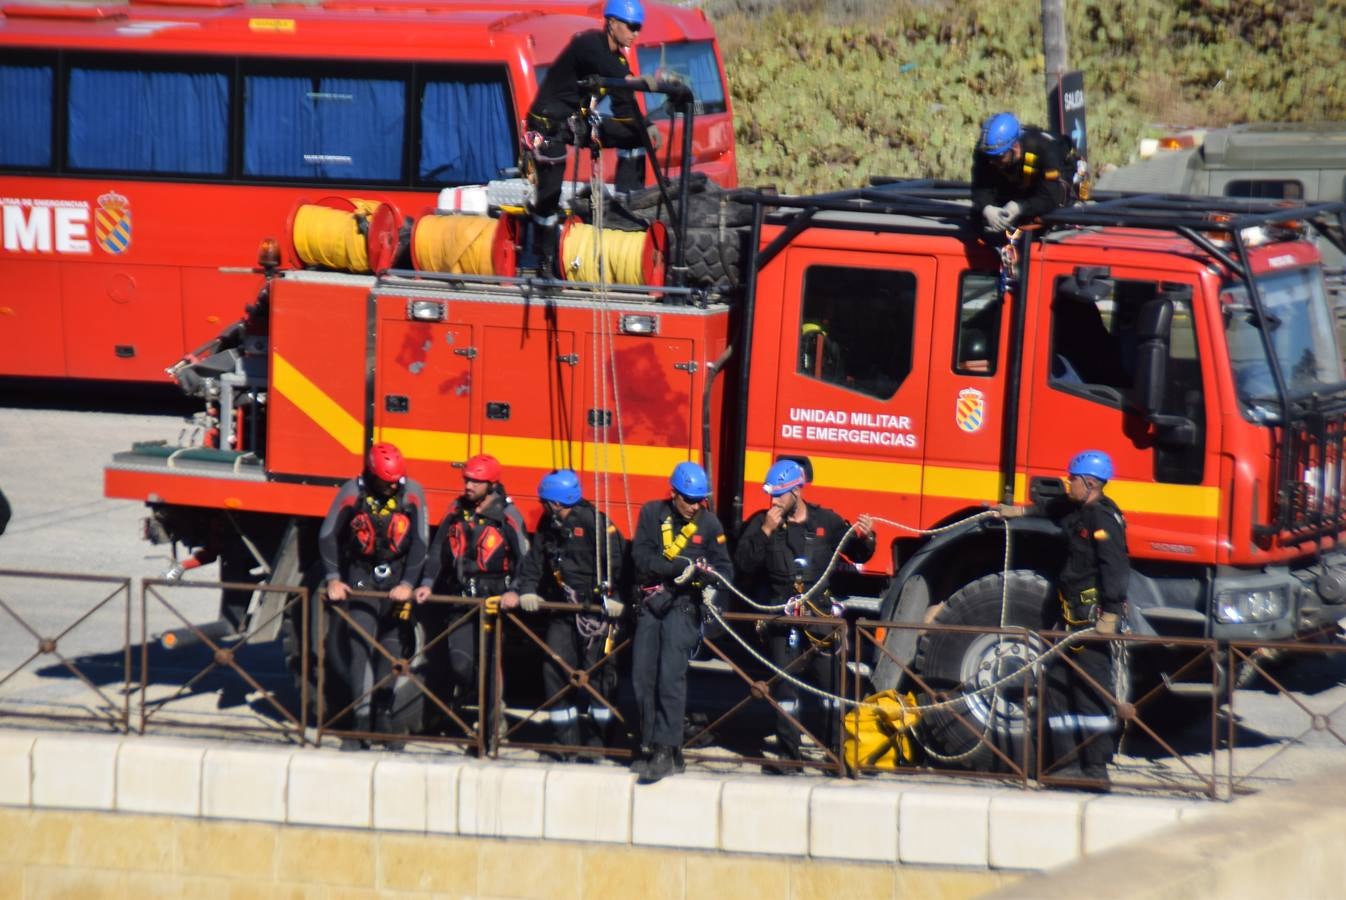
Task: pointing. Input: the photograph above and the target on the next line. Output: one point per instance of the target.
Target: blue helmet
(998, 134)
(561, 486)
(629, 11)
(689, 479)
(1094, 463)
(784, 476)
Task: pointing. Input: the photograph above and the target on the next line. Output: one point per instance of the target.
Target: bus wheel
(954, 664)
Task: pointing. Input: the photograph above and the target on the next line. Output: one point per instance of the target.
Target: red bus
(147, 147)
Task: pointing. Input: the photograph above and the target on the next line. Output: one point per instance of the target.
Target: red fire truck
(145, 145)
(917, 374)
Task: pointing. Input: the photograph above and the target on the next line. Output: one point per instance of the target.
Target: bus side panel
(210, 302)
(318, 376)
(31, 341)
(116, 323)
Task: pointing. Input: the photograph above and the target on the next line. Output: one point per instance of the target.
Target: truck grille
(1309, 501)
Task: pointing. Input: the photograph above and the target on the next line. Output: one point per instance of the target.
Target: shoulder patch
(579, 531)
(611, 529)
(720, 539)
(1101, 535)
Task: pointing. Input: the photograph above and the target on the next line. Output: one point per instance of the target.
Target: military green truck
(1267, 161)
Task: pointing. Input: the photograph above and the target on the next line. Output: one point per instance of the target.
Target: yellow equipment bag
(878, 734)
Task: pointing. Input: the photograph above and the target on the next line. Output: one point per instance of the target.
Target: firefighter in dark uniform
(601, 53)
(373, 539)
(476, 552)
(1092, 585)
(677, 545)
(576, 557)
(1018, 173)
(785, 549)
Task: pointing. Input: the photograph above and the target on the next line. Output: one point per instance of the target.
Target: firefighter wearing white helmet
(784, 550)
(602, 54)
(678, 544)
(1092, 587)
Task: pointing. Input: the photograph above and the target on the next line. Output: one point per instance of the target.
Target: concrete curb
(877, 820)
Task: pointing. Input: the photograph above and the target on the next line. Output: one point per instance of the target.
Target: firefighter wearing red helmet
(1092, 589)
(373, 540)
(475, 553)
(786, 549)
(678, 544)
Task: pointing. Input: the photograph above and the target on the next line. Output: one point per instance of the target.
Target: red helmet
(482, 467)
(385, 463)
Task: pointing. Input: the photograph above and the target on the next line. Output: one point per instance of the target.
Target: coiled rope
(459, 245)
(333, 238)
(595, 254)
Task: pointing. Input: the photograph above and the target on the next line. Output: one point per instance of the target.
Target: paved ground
(53, 447)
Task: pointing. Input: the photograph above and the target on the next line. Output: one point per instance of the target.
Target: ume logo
(45, 226)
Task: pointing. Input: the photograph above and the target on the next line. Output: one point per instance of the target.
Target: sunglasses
(633, 27)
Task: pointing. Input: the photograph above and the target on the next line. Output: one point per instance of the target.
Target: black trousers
(1078, 713)
(578, 652)
(451, 665)
(816, 713)
(358, 665)
(663, 647)
(550, 175)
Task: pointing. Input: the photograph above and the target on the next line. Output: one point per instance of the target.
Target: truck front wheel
(954, 664)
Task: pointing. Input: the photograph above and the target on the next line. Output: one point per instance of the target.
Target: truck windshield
(1300, 325)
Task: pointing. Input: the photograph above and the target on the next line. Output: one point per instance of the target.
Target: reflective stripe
(1084, 723)
(561, 716)
(788, 705)
(601, 714)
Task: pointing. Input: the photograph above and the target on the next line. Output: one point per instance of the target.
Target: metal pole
(1054, 51)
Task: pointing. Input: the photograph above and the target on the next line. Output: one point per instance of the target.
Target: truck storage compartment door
(854, 351)
(423, 391)
(525, 405)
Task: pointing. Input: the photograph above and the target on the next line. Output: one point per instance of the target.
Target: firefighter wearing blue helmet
(602, 53)
(575, 557)
(1018, 173)
(1092, 587)
(784, 550)
(677, 545)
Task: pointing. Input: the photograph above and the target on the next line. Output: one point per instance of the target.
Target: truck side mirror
(1153, 329)
(1088, 284)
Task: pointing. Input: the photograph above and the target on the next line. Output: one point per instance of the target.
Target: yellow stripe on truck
(325, 412)
(982, 485)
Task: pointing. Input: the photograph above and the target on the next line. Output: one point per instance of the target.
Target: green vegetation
(827, 93)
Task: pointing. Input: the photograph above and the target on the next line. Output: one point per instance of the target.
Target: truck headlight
(1264, 605)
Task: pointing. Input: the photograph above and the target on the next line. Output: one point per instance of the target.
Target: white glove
(708, 595)
(613, 608)
(656, 136)
(1012, 210)
(686, 574)
(997, 218)
(529, 602)
(175, 573)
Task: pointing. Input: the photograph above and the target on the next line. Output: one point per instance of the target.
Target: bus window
(328, 129)
(693, 60)
(151, 120)
(25, 116)
(466, 136)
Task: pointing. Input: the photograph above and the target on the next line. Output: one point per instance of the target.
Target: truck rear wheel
(953, 663)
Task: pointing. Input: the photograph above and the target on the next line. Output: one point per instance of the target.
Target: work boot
(679, 764)
(660, 765)
(383, 724)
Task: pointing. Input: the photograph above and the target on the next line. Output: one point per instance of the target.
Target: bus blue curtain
(465, 132)
(345, 129)
(25, 116)
(160, 122)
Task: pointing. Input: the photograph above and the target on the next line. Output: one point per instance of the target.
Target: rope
(605, 255)
(331, 238)
(460, 245)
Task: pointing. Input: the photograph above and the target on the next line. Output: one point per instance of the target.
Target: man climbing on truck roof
(1018, 172)
(552, 124)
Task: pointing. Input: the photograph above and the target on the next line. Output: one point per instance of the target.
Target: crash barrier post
(965, 717)
(424, 707)
(51, 632)
(1191, 676)
(583, 684)
(817, 637)
(272, 712)
(1280, 668)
